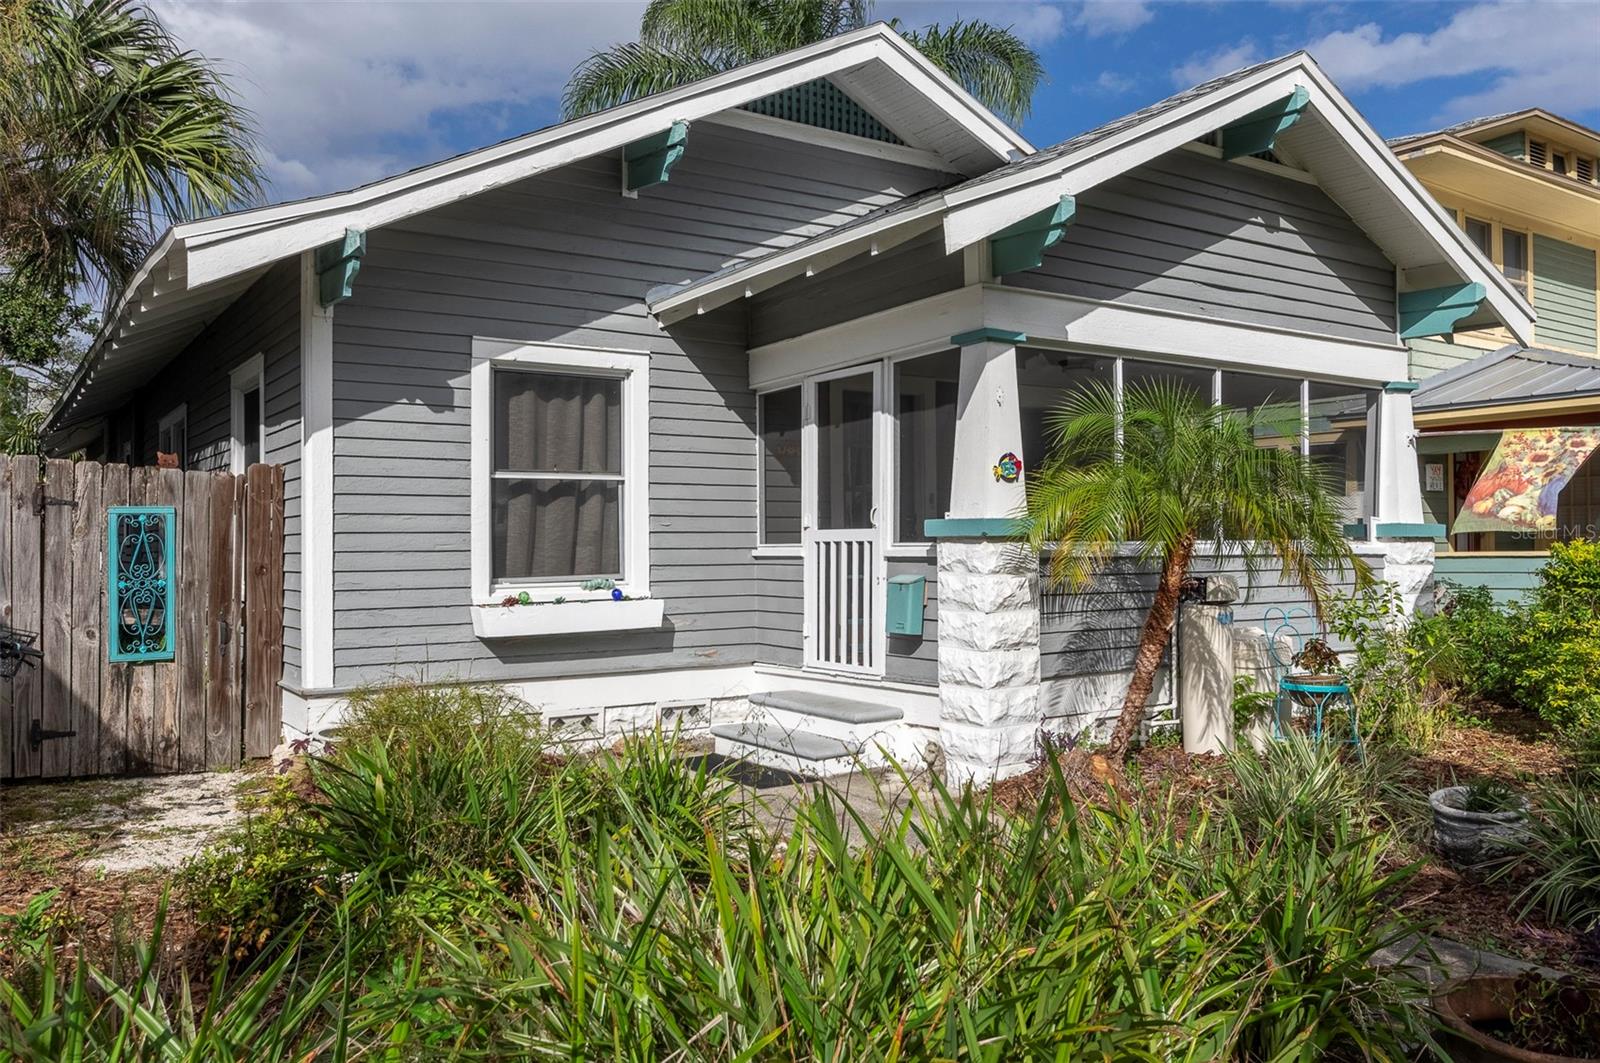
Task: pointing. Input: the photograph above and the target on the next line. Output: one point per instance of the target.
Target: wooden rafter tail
(1259, 130)
(649, 161)
(337, 266)
(1021, 245)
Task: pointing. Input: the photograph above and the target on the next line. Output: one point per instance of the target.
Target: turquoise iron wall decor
(142, 582)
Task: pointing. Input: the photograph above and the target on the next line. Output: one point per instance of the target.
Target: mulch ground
(1465, 907)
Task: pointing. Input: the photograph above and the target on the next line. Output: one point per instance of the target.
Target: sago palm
(1164, 475)
(109, 130)
(685, 40)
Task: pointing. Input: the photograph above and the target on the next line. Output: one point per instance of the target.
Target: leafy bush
(653, 928)
(1397, 666)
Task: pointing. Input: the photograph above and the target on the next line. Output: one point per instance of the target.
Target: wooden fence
(75, 712)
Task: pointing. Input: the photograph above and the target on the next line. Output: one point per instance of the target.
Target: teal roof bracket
(1259, 130)
(649, 161)
(1021, 246)
(1435, 311)
(337, 266)
(988, 335)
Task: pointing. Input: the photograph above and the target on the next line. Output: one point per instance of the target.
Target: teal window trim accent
(1411, 531)
(337, 265)
(987, 335)
(1356, 530)
(1435, 311)
(649, 161)
(1021, 245)
(974, 528)
(1259, 130)
(1401, 387)
(138, 583)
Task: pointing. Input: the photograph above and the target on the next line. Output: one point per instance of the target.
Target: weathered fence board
(263, 621)
(217, 699)
(27, 688)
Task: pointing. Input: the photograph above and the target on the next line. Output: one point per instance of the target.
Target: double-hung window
(560, 479)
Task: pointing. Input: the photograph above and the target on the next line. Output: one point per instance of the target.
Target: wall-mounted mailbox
(907, 595)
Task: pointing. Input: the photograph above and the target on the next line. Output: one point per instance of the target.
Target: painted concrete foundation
(989, 707)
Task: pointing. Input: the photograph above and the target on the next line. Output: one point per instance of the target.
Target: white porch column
(989, 707)
(1398, 523)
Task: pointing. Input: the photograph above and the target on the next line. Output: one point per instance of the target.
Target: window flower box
(579, 617)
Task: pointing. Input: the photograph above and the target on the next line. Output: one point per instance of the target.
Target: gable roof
(1507, 377)
(1349, 161)
(1540, 119)
(198, 268)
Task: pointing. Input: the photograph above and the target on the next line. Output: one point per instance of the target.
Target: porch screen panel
(1044, 380)
(1200, 382)
(556, 502)
(1275, 399)
(1338, 419)
(925, 391)
(844, 453)
(780, 466)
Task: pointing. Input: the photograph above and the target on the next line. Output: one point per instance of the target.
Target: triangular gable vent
(822, 104)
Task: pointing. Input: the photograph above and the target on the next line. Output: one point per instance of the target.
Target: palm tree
(684, 40)
(1167, 472)
(109, 131)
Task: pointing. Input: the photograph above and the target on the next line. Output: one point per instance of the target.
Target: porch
(893, 457)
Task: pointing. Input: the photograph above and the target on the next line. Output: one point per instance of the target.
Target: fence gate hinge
(38, 736)
(40, 502)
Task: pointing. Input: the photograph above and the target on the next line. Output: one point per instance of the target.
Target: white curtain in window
(558, 426)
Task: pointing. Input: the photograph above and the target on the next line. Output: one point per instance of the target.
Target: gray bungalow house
(713, 407)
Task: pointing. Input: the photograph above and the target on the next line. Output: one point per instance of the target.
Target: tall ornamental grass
(632, 914)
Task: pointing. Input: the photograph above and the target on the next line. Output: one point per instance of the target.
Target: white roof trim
(216, 248)
(201, 254)
(985, 206)
(980, 208)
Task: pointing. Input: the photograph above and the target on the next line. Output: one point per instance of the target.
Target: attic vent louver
(1537, 152)
(820, 103)
(1585, 169)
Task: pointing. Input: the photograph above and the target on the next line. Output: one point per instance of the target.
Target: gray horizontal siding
(865, 285)
(564, 258)
(1096, 631)
(1190, 233)
(780, 600)
(264, 320)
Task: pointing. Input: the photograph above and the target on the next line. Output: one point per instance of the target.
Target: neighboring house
(1525, 189)
(767, 357)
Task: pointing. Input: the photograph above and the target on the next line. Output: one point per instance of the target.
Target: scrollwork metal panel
(142, 582)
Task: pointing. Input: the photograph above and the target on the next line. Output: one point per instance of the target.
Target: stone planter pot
(1472, 1007)
(1468, 839)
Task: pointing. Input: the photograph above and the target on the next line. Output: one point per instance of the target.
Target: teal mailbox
(906, 597)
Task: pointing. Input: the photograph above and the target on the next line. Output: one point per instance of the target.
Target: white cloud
(1110, 83)
(1203, 66)
(1525, 54)
(1102, 18)
(348, 92)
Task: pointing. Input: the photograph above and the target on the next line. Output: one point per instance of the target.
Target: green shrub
(1562, 855)
(1314, 791)
(258, 881)
(1396, 666)
(1481, 635)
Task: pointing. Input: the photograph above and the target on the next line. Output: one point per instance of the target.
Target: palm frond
(991, 62)
(628, 71)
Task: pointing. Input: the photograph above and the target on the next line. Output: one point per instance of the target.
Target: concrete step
(826, 706)
(762, 742)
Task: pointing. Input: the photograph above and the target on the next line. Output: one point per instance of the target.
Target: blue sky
(346, 92)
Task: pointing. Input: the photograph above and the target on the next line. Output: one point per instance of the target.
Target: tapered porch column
(1408, 542)
(989, 707)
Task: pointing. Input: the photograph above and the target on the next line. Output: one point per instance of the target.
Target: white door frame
(876, 535)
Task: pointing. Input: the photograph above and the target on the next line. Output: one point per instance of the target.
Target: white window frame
(178, 414)
(251, 373)
(633, 369)
(764, 548)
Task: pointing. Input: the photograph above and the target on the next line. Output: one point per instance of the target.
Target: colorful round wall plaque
(1009, 468)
